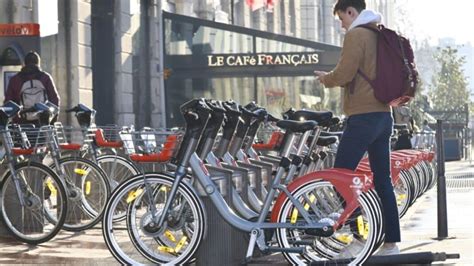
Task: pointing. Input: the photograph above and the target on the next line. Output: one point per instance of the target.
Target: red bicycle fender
(348, 183)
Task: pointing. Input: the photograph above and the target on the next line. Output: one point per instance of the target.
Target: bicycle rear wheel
(135, 241)
(352, 243)
(45, 198)
(403, 194)
(117, 169)
(88, 189)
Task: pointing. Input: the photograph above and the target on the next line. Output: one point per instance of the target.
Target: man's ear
(352, 12)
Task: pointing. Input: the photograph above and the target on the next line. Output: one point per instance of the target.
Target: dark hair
(32, 58)
(342, 5)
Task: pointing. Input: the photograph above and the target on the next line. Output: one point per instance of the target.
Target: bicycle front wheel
(135, 240)
(87, 189)
(351, 244)
(43, 196)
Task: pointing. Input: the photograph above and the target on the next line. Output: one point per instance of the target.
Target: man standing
(31, 85)
(370, 121)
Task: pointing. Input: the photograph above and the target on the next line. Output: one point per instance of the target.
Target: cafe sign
(267, 59)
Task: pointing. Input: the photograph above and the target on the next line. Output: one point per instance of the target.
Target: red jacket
(16, 82)
(28, 73)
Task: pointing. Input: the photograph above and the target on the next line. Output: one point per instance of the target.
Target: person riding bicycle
(31, 85)
(370, 121)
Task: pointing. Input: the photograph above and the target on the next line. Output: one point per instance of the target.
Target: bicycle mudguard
(410, 159)
(431, 155)
(415, 153)
(397, 164)
(349, 184)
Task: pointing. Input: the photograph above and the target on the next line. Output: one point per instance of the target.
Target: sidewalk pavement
(419, 225)
(419, 228)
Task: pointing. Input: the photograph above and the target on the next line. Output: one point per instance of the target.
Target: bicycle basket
(28, 140)
(73, 138)
(108, 136)
(268, 138)
(149, 145)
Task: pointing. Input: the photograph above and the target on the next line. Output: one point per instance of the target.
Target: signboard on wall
(261, 64)
(22, 29)
(263, 59)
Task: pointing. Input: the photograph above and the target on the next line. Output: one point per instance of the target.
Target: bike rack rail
(406, 258)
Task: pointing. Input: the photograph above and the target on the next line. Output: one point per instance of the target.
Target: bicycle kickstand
(252, 241)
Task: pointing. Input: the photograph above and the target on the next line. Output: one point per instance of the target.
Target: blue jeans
(371, 132)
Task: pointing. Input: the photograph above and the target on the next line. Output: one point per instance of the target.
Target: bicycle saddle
(330, 122)
(318, 116)
(232, 108)
(326, 141)
(297, 126)
(258, 113)
(336, 134)
(271, 118)
(216, 106)
(288, 114)
(195, 105)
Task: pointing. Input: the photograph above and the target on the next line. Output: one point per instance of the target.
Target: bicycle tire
(86, 209)
(110, 163)
(122, 244)
(55, 187)
(319, 248)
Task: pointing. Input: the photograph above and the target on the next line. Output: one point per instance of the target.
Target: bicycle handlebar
(74, 109)
(80, 108)
(271, 118)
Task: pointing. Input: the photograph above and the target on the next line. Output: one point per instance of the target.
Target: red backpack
(396, 75)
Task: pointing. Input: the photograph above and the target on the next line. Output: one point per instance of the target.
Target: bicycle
(86, 184)
(170, 230)
(33, 198)
(97, 146)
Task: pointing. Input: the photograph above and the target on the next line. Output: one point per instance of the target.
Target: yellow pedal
(80, 171)
(294, 216)
(166, 249)
(51, 188)
(132, 195)
(294, 213)
(311, 199)
(164, 188)
(88, 187)
(362, 227)
(180, 244)
(346, 239)
(366, 231)
(401, 196)
(170, 236)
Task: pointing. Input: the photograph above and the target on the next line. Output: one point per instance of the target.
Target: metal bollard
(441, 185)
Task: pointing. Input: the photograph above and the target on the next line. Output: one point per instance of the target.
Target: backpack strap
(369, 27)
(352, 84)
(39, 75)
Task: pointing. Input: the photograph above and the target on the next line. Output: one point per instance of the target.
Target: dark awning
(203, 61)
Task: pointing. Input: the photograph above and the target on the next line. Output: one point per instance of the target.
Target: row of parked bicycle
(147, 184)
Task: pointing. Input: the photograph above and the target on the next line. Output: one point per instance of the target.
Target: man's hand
(320, 75)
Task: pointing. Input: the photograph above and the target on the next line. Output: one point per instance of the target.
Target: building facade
(110, 54)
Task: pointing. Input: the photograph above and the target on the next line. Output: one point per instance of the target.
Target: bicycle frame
(202, 174)
(8, 145)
